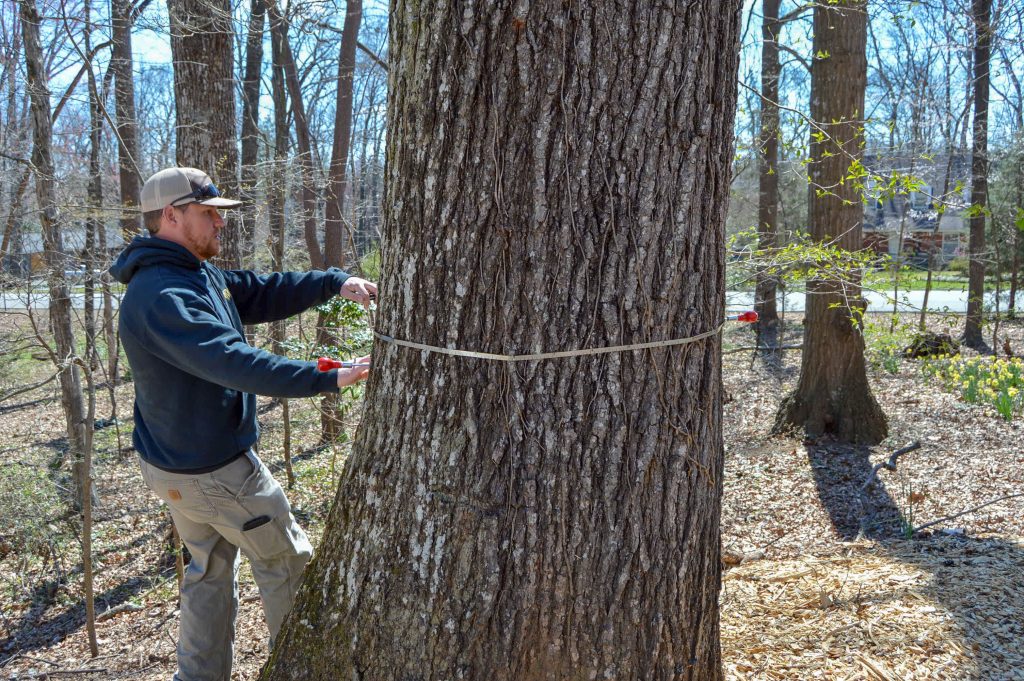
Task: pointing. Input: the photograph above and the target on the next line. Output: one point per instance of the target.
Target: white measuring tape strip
(547, 355)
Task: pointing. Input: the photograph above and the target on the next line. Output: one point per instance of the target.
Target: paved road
(911, 301)
(19, 301)
(938, 301)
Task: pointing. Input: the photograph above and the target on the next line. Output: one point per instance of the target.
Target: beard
(203, 242)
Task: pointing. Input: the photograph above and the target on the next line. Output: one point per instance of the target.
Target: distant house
(26, 256)
(924, 230)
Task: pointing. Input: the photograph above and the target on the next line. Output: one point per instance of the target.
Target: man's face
(201, 227)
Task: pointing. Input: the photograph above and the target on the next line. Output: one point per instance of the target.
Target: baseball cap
(180, 186)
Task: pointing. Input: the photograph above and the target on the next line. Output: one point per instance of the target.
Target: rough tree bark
(833, 395)
(38, 92)
(768, 178)
(980, 11)
(558, 175)
(204, 95)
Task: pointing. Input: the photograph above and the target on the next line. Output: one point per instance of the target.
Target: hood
(146, 251)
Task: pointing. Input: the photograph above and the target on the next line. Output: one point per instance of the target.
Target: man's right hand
(351, 375)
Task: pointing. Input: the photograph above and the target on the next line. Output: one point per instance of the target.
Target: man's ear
(169, 215)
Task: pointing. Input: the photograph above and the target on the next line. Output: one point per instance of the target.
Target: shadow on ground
(979, 582)
(33, 631)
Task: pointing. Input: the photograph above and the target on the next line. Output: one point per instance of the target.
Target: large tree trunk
(46, 197)
(980, 10)
(204, 94)
(558, 176)
(127, 124)
(833, 395)
(768, 174)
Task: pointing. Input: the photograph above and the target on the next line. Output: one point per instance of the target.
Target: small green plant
(908, 498)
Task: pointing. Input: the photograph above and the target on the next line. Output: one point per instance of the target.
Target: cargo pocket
(268, 540)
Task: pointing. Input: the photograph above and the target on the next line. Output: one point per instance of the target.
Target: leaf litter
(819, 583)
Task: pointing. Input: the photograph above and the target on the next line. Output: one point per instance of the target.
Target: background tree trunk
(306, 158)
(121, 64)
(558, 176)
(768, 173)
(94, 194)
(60, 303)
(250, 127)
(833, 395)
(204, 94)
(980, 11)
(337, 179)
(337, 186)
(277, 190)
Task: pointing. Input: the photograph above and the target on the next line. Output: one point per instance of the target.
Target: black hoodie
(195, 375)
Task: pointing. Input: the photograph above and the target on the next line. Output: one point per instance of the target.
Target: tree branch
(890, 464)
(796, 55)
(29, 388)
(970, 510)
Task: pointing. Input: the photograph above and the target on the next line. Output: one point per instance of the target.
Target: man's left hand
(359, 290)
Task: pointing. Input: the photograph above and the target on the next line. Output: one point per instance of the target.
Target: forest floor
(821, 582)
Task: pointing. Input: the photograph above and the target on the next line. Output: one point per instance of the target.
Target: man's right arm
(183, 329)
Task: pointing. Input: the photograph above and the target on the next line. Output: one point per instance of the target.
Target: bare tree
(306, 159)
(276, 193)
(63, 350)
(337, 187)
(337, 180)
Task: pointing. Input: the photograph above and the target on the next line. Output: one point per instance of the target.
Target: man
(195, 407)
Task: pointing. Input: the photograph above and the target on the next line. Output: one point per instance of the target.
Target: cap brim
(220, 202)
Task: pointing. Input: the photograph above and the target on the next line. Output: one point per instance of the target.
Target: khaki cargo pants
(238, 506)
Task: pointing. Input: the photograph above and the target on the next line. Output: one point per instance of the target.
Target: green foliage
(799, 260)
(975, 210)
(961, 266)
(348, 322)
(884, 348)
(981, 380)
